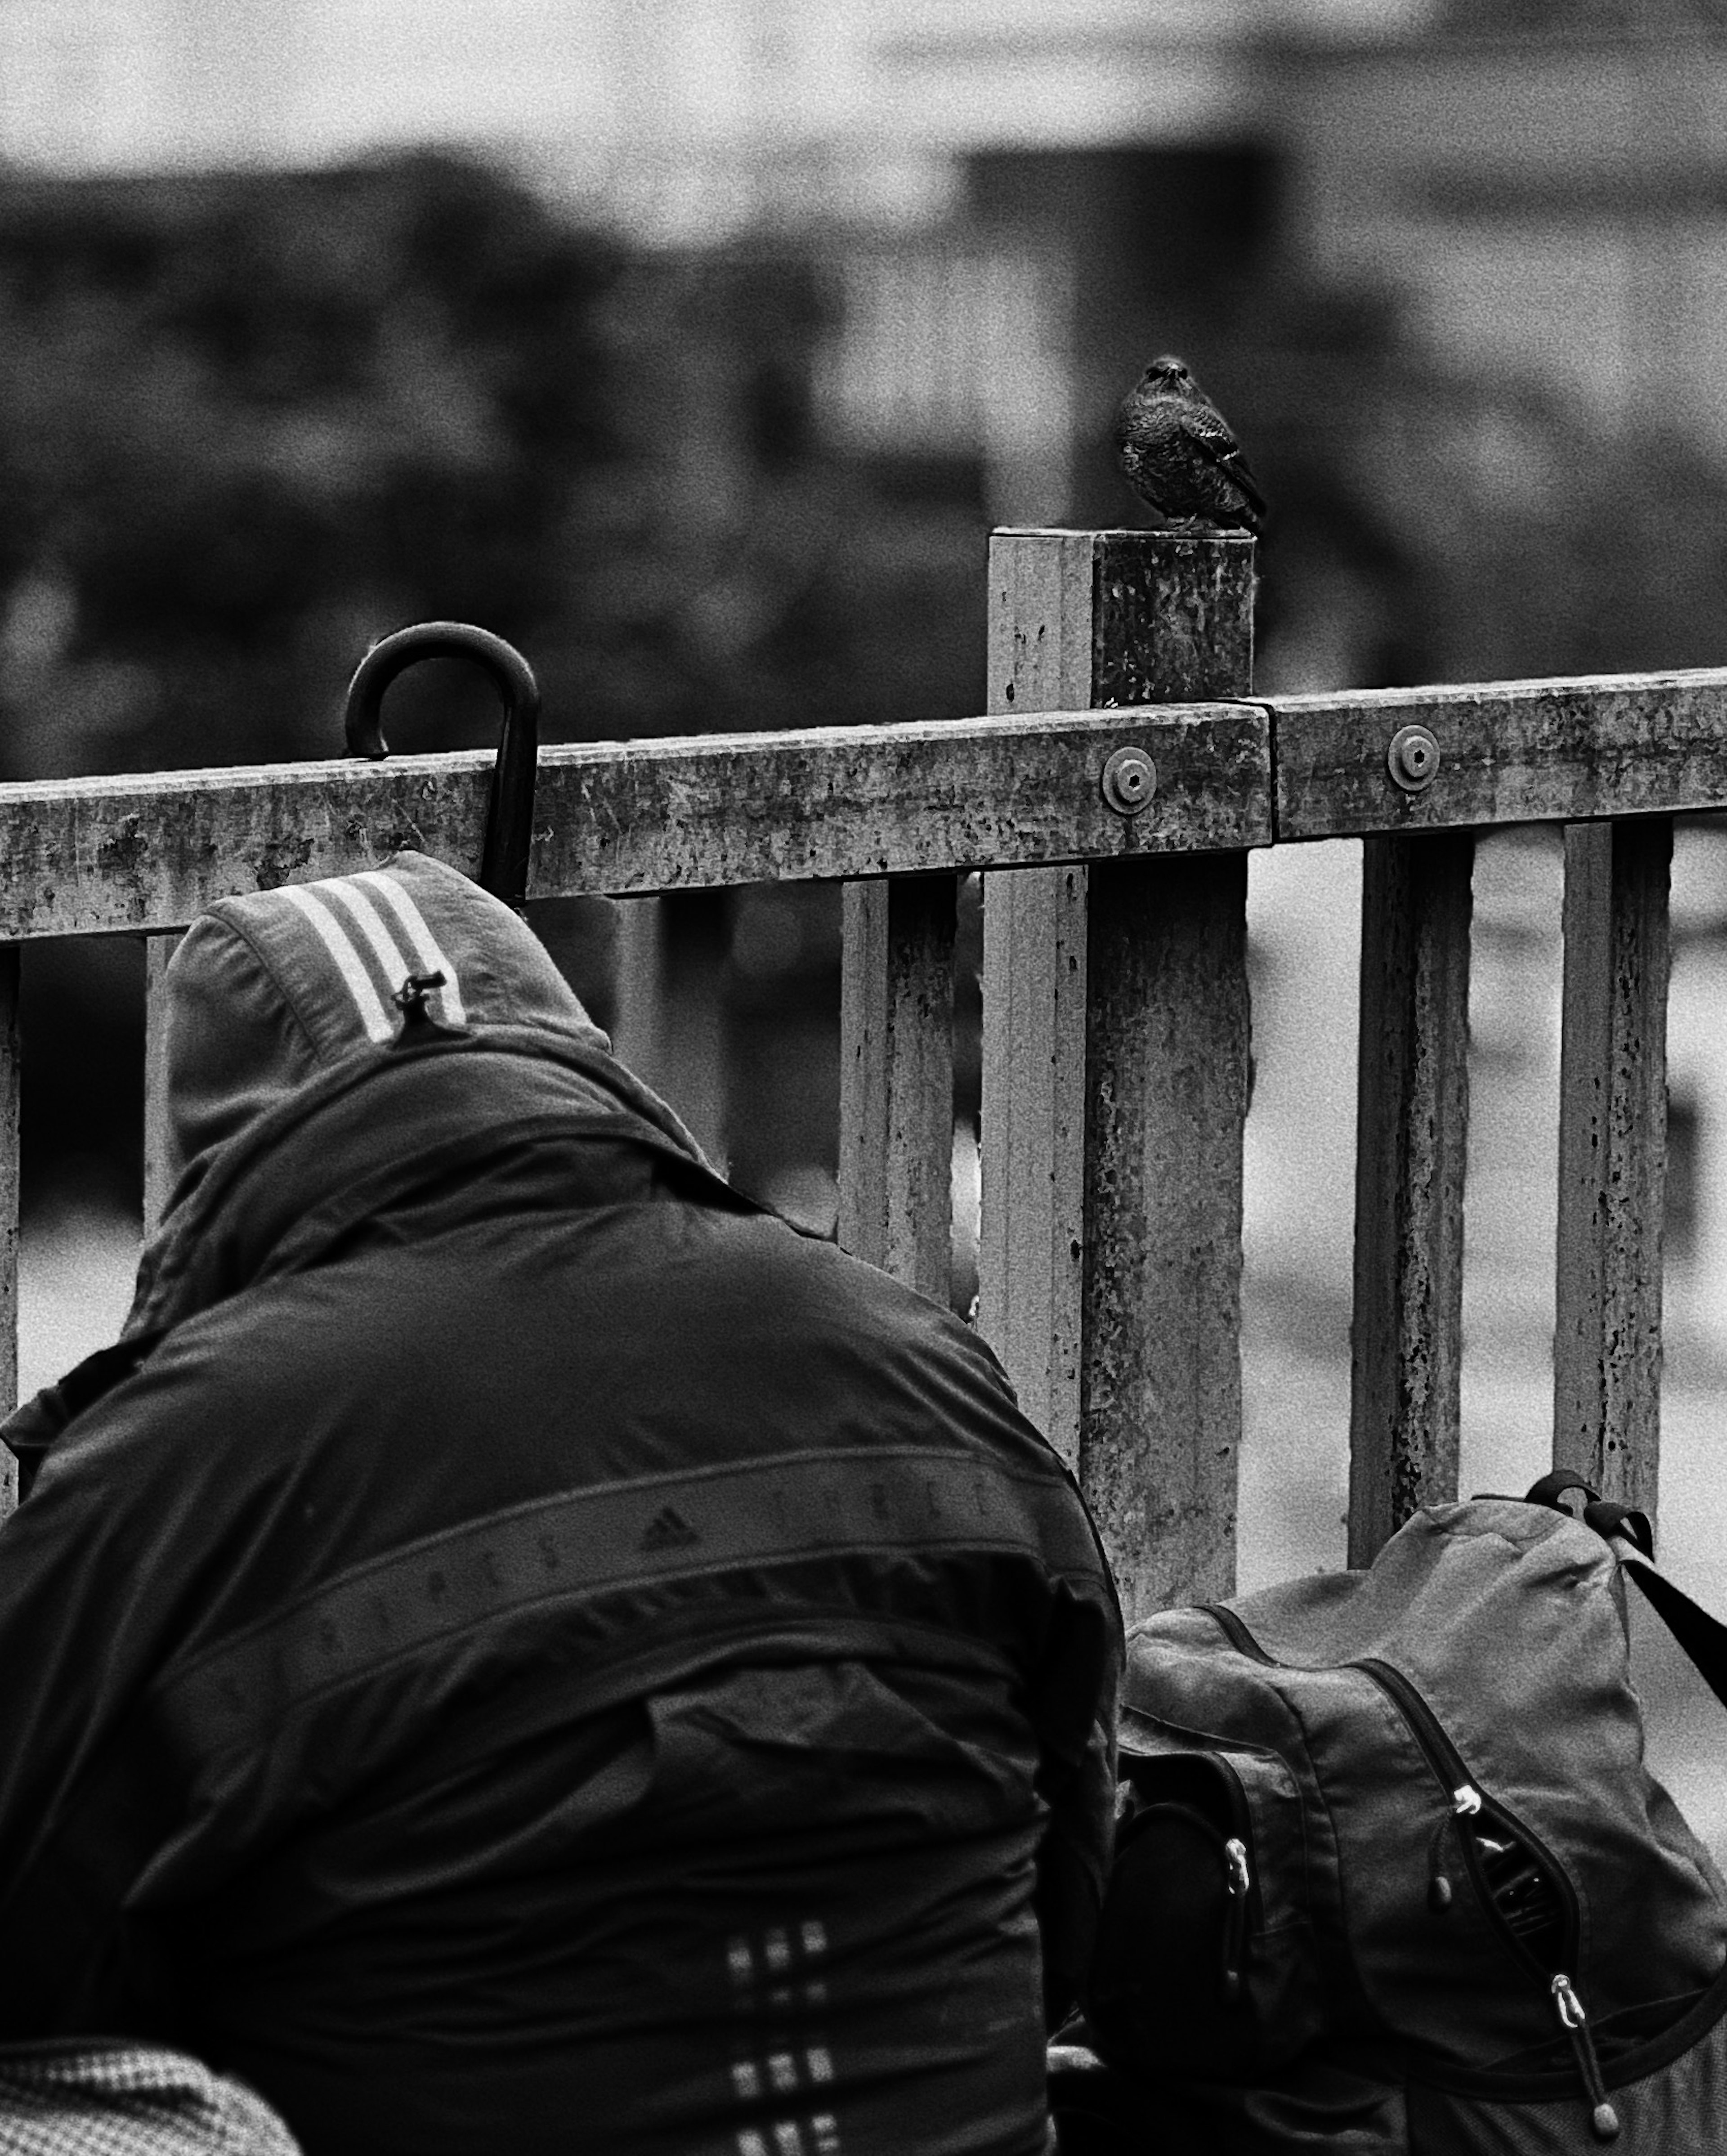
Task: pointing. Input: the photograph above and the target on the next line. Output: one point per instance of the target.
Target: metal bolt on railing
(1130, 779)
(1413, 758)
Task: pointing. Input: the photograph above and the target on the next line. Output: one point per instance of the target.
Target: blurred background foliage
(244, 420)
(250, 422)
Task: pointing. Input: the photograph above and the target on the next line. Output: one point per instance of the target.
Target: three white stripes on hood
(398, 946)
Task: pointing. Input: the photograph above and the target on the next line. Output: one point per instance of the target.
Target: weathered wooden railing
(1115, 998)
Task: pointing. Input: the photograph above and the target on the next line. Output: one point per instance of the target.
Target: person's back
(545, 1654)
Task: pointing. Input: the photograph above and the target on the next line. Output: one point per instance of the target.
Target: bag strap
(1631, 1539)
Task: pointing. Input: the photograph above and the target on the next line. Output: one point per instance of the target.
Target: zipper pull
(1439, 1893)
(1576, 2023)
(1238, 1882)
(1235, 1855)
(1465, 1803)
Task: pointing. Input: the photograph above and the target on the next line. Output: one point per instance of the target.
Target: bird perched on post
(1177, 453)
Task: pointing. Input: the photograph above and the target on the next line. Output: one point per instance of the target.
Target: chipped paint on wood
(95, 856)
(1167, 1041)
(1413, 1106)
(1182, 634)
(896, 1078)
(1166, 1099)
(146, 853)
(1509, 752)
(1042, 650)
(1613, 1157)
(1032, 1126)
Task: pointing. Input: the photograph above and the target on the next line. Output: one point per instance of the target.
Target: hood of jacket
(325, 1040)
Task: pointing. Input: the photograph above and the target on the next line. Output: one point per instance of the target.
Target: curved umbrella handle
(509, 804)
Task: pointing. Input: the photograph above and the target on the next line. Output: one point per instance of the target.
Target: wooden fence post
(1411, 1135)
(1612, 1156)
(1133, 1047)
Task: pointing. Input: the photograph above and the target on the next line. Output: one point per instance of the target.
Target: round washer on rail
(1413, 759)
(1130, 779)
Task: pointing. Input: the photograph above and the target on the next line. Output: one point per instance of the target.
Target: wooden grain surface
(145, 852)
(1161, 1390)
(1167, 1045)
(82, 856)
(1033, 1118)
(1613, 1157)
(1412, 1139)
(896, 1077)
(1511, 752)
(1033, 1137)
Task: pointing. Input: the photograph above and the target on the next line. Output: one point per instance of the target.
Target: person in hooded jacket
(516, 1647)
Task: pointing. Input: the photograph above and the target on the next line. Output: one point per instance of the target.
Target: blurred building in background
(696, 344)
(1441, 260)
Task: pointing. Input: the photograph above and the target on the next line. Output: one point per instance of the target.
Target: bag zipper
(1468, 1802)
(1603, 2117)
(1241, 1886)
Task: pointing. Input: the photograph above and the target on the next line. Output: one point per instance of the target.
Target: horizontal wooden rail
(1508, 752)
(101, 855)
(96, 856)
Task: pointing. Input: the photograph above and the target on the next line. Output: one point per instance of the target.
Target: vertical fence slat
(1411, 1137)
(157, 1165)
(1031, 1139)
(896, 1077)
(9, 1076)
(1612, 1156)
(1033, 1118)
(671, 1024)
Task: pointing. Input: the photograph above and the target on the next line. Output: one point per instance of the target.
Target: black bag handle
(510, 804)
(1631, 1538)
(1560, 1483)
